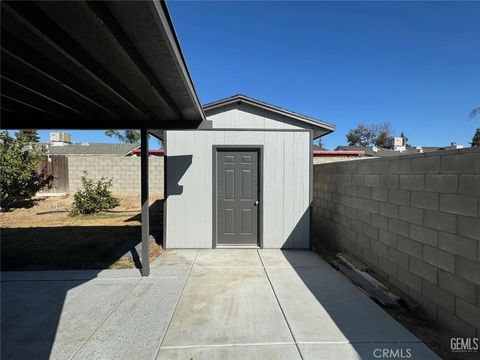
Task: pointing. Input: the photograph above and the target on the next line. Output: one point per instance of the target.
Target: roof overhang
(94, 65)
(320, 128)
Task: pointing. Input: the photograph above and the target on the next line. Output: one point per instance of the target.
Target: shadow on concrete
(30, 313)
(32, 302)
(346, 313)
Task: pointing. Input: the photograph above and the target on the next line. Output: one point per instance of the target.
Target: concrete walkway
(200, 304)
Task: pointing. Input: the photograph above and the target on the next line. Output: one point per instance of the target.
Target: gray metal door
(237, 197)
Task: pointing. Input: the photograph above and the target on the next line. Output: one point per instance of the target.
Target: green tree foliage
(476, 138)
(19, 177)
(29, 136)
(126, 136)
(364, 135)
(94, 197)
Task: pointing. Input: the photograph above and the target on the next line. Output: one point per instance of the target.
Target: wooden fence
(57, 166)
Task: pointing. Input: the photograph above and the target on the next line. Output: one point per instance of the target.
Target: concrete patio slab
(37, 314)
(227, 305)
(275, 257)
(246, 352)
(108, 274)
(206, 304)
(228, 257)
(61, 275)
(136, 328)
(47, 275)
(169, 271)
(176, 258)
(322, 305)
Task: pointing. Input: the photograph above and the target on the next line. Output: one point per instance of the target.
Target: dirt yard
(44, 237)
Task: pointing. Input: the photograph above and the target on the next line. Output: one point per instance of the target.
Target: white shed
(242, 179)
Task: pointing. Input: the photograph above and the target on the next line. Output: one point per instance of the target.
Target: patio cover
(93, 65)
(96, 65)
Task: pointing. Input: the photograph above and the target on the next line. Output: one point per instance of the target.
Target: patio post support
(144, 199)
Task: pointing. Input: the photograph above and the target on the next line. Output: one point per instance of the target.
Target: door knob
(255, 203)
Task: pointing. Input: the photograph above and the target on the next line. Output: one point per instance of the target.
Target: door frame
(215, 150)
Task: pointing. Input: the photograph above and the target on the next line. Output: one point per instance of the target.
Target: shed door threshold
(239, 246)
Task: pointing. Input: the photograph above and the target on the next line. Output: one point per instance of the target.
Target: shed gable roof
(320, 127)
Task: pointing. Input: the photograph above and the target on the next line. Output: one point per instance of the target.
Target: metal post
(144, 199)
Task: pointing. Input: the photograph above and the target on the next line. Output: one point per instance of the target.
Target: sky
(415, 65)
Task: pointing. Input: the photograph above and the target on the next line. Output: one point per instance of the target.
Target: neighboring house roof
(316, 147)
(328, 153)
(369, 151)
(158, 152)
(325, 127)
(436, 148)
(382, 152)
(92, 149)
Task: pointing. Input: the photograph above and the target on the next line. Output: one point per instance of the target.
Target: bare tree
(380, 134)
(360, 136)
(475, 112)
(375, 134)
(126, 136)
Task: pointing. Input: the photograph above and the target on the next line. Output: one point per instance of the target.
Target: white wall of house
(286, 171)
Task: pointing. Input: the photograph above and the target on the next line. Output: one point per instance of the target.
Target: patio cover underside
(96, 65)
(93, 65)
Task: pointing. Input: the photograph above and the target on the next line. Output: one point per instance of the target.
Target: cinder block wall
(123, 170)
(330, 159)
(414, 219)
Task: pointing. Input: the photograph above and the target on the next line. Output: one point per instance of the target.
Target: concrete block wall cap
(473, 149)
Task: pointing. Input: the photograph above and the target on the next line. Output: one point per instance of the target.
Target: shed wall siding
(246, 117)
(285, 171)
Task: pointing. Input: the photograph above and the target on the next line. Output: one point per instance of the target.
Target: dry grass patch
(44, 237)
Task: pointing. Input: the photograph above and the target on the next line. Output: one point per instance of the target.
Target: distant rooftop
(382, 152)
(91, 149)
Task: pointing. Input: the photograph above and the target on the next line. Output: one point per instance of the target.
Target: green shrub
(94, 197)
(19, 177)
